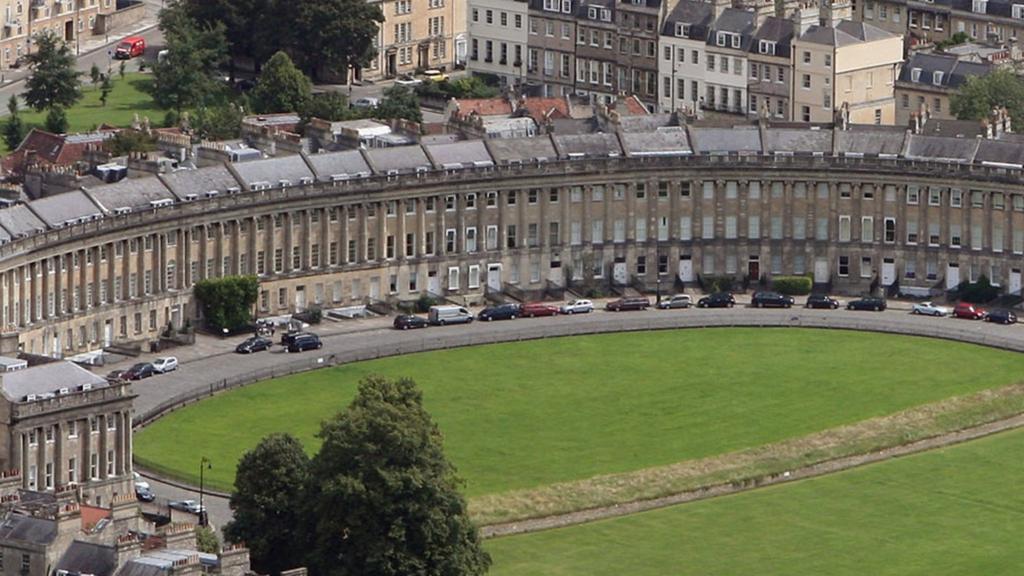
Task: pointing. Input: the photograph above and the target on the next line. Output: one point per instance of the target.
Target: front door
(952, 275)
(433, 282)
(375, 288)
(390, 69)
(1015, 281)
(619, 273)
(686, 268)
(888, 271)
(108, 333)
(821, 270)
(421, 56)
(494, 277)
(69, 31)
(754, 268)
(300, 298)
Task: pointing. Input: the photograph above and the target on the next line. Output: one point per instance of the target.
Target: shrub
(227, 302)
(424, 303)
(792, 285)
(979, 292)
(712, 284)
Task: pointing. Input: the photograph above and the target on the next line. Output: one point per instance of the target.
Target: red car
(969, 311)
(539, 309)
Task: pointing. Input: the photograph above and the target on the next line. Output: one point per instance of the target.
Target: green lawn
(528, 414)
(129, 97)
(955, 511)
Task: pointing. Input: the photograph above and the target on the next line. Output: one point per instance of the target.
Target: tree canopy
(54, 81)
(227, 302)
(399, 102)
(14, 128)
(267, 503)
(999, 88)
(281, 88)
(187, 77)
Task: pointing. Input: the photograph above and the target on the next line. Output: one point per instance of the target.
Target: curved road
(370, 339)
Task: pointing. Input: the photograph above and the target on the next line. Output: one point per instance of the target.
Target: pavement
(212, 360)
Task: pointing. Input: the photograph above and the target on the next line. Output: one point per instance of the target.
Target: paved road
(366, 339)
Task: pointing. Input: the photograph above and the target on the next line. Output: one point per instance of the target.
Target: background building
(498, 38)
(927, 81)
(419, 35)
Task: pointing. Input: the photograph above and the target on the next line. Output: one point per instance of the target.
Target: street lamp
(204, 464)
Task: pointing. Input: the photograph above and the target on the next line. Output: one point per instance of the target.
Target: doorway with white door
(888, 271)
(686, 268)
(952, 275)
(494, 277)
(1014, 288)
(620, 274)
(821, 273)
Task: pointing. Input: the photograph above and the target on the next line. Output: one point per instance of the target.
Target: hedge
(792, 285)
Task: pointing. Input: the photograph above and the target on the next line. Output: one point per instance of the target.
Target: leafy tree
(227, 302)
(94, 74)
(187, 76)
(976, 99)
(346, 42)
(14, 129)
(127, 141)
(252, 27)
(267, 503)
(206, 540)
(281, 88)
(56, 121)
(331, 106)
(382, 498)
(399, 102)
(105, 89)
(219, 122)
(54, 81)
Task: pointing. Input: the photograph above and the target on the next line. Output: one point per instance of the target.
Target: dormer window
(606, 15)
(682, 30)
(735, 40)
(720, 38)
(592, 13)
(1018, 11)
(915, 75)
(567, 6)
(937, 78)
(766, 47)
(979, 6)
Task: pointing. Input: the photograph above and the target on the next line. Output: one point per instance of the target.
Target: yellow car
(435, 75)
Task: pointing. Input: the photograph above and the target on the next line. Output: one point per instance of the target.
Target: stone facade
(67, 19)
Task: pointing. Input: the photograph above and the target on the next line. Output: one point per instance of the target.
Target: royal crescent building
(854, 207)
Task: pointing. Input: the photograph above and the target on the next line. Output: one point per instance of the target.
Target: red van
(130, 47)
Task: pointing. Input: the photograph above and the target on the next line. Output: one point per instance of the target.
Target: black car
(876, 304)
(287, 337)
(628, 304)
(500, 312)
(1001, 317)
(144, 493)
(116, 375)
(717, 300)
(406, 321)
(821, 301)
(139, 371)
(305, 341)
(254, 344)
(771, 300)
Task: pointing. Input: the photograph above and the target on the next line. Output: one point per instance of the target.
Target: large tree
(382, 498)
(281, 88)
(188, 76)
(54, 81)
(399, 102)
(252, 28)
(14, 129)
(334, 34)
(227, 302)
(267, 503)
(976, 99)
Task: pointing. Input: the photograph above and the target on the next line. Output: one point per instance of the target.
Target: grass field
(129, 97)
(955, 511)
(529, 414)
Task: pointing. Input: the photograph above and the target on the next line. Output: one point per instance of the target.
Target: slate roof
(845, 33)
(18, 220)
(400, 158)
(994, 151)
(955, 72)
(184, 183)
(271, 171)
(711, 140)
(870, 140)
(28, 529)
(693, 12)
(339, 165)
(132, 193)
(88, 558)
(645, 123)
(465, 154)
(600, 145)
(64, 209)
(798, 140)
(46, 379)
(665, 142)
(941, 148)
(736, 21)
(774, 29)
(507, 150)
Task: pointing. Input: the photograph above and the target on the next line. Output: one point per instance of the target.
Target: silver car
(929, 309)
(577, 307)
(677, 301)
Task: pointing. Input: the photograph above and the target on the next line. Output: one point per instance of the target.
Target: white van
(441, 315)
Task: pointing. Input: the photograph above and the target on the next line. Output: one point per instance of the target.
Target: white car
(165, 364)
(929, 309)
(365, 102)
(187, 506)
(408, 80)
(140, 482)
(577, 307)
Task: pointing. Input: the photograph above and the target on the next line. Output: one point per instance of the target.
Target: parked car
(821, 301)
(254, 344)
(577, 307)
(532, 309)
(500, 312)
(408, 80)
(165, 364)
(305, 341)
(929, 309)
(407, 321)
(139, 480)
(144, 493)
(771, 300)
(187, 506)
(1001, 317)
(130, 47)
(287, 337)
(435, 75)
(676, 301)
(116, 375)
(717, 300)
(365, 102)
(869, 303)
(968, 311)
(623, 304)
(449, 314)
(139, 371)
